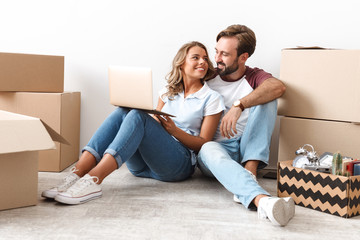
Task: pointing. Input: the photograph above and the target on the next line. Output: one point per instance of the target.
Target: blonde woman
(156, 147)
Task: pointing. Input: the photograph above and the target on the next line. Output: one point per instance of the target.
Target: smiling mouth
(220, 64)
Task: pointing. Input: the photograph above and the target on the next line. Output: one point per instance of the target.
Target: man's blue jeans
(225, 160)
(135, 138)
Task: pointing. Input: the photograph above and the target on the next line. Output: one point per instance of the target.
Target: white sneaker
(236, 199)
(67, 182)
(84, 190)
(278, 210)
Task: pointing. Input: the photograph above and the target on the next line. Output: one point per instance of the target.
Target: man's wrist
(239, 104)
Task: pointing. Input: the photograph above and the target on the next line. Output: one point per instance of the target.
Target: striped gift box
(337, 195)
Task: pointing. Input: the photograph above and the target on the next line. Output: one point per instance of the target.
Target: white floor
(138, 208)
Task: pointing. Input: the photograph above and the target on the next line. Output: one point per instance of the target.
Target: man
(241, 144)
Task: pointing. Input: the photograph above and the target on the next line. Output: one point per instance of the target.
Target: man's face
(226, 56)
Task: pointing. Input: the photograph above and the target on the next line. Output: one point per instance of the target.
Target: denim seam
(115, 154)
(253, 196)
(93, 152)
(126, 144)
(178, 146)
(179, 170)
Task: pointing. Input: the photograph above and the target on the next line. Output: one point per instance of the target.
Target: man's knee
(204, 157)
(267, 109)
(208, 146)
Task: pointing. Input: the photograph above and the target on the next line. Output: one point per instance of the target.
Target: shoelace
(83, 183)
(69, 178)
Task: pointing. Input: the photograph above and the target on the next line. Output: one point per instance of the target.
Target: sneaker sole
(49, 195)
(77, 200)
(290, 204)
(278, 215)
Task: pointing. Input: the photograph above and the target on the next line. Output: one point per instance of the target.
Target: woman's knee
(136, 114)
(120, 111)
(118, 114)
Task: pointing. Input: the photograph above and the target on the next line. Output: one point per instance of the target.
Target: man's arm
(267, 91)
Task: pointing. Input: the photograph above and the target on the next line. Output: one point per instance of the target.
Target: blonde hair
(174, 77)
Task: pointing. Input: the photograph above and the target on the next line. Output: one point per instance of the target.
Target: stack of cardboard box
(320, 107)
(33, 86)
(321, 103)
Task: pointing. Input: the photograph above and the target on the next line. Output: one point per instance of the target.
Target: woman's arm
(208, 129)
(159, 107)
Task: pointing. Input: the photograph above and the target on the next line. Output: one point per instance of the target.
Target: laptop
(131, 87)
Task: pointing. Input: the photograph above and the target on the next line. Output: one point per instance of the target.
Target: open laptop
(131, 87)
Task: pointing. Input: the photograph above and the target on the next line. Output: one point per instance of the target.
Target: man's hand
(228, 123)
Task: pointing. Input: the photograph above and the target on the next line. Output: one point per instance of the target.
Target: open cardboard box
(61, 111)
(21, 139)
(324, 136)
(333, 194)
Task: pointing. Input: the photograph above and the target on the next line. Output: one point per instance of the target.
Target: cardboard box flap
(20, 133)
(54, 135)
(308, 48)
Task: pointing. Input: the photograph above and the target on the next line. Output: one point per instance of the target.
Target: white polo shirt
(191, 110)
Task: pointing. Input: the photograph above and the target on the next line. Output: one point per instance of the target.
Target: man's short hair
(245, 36)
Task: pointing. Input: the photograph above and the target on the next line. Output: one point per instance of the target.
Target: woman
(156, 147)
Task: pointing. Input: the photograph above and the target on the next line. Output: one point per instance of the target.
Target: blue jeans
(225, 160)
(135, 138)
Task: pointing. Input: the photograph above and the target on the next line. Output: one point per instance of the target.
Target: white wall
(94, 34)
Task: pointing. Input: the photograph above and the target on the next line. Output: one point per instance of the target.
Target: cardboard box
(31, 73)
(61, 111)
(321, 84)
(337, 195)
(324, 136)
(21, 138)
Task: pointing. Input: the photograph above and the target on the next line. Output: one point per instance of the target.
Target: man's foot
(84, 190)
(67, 182)
(278, 210)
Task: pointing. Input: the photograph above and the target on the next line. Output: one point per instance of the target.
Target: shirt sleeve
(162, 96)
(214, 105)
(256, 76)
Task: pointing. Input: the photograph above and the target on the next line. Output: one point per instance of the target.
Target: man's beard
(227, 70)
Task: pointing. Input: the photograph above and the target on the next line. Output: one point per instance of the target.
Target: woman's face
(196, 64)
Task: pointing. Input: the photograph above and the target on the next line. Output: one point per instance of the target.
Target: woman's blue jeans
(225, 160)
(135, 138)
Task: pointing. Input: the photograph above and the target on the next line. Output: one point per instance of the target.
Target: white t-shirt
(232, 91)
(190, 111)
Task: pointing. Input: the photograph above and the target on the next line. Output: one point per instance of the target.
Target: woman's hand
(167, 123)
